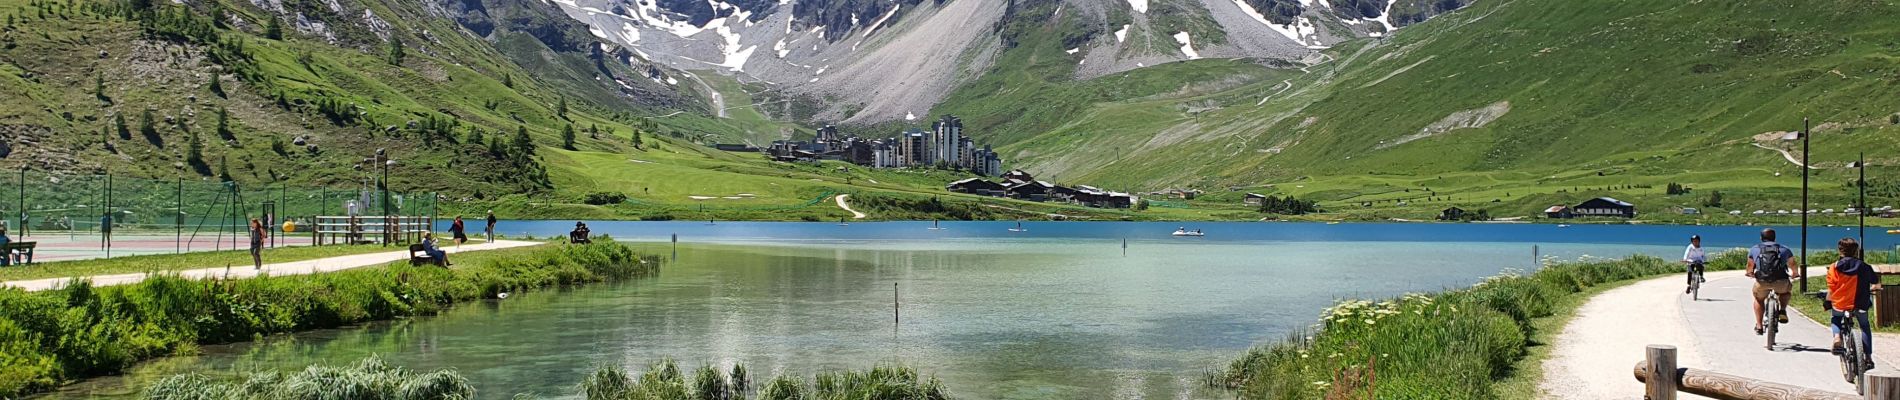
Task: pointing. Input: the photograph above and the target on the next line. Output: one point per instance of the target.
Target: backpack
(1769, 264)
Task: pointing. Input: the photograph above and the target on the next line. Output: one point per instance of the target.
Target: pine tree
(567, 137)
(217, 15)
(224, 127)
(636, 140)
(560, 108)
(145, 126)
(99, 87)
(506, 79)
(118, 124)
(194, 154)
(523, 144)
(217, 88)
(395, 51)
(273, 29)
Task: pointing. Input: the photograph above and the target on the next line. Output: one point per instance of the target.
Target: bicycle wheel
(1695, 288)
(1850, 357)
(1769, 318)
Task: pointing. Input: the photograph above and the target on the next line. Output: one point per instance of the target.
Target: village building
(1451, 214)
(1604, 207)
(977, 186)
(1557, 212)
(1254, 199)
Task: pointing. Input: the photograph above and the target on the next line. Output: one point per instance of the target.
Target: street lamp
(1805, 161)
(382, 159)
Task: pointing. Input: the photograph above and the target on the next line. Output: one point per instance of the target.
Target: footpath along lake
(1054, 312)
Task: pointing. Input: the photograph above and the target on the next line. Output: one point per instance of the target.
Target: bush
(663, 381)
(1452, 345)
(82, 331)
(370, 378)
(604, 198)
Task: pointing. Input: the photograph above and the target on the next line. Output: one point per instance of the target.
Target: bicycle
(1695, 283)
(1853, 360)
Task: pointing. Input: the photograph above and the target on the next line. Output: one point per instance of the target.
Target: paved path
(278, 269)
(1594, 356)
(847, 207)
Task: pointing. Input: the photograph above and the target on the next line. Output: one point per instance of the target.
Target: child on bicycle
(1693, 259)
(1851, 284)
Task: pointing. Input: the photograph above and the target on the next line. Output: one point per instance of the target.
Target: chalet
(1604, 207)
(976, 186)
(1096, 197)
(1254, 199)
(1018, 176)
(1557, 212)
(1451, 214)
(1031, 190)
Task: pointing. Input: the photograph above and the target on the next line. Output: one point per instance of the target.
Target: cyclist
(1772, 265)
(1693, 258)
(1851, 284)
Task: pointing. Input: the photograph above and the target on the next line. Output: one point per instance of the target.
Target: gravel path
(1594, 356)
(847, 207)
(278, 269)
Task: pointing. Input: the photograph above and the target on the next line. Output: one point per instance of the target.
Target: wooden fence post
(1882, 384)
(1661, 382)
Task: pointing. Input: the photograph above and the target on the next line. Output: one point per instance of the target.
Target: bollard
(1883, 383)
(1661, 383)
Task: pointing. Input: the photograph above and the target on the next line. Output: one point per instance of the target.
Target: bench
(418, 257)
(25, 249)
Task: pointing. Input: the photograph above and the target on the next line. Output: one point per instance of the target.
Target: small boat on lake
(1184, 232)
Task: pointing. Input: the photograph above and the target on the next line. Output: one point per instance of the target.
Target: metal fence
(71, 213)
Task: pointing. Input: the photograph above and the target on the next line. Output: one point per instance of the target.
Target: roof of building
(1556, 209)
(1613, 201)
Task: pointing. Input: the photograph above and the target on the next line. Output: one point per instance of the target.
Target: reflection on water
(994, 318)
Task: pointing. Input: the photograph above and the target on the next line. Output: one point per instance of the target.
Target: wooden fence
(1663, 380)
(370, 229)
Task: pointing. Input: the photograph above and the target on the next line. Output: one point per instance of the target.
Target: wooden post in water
(894, 307)
(1661, 382)
(1536, 259)
(1882, 384)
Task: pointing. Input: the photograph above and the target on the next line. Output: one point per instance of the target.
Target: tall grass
(369, 379)
(84, 331)
(663, 381)
(1448, 345)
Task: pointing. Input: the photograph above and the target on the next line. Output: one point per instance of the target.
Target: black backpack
(1769, 264)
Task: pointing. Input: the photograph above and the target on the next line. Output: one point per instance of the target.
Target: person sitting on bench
(428, 247)
(6, 255)
(580, 234)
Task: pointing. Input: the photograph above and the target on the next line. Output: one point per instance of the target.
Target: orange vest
(1841, 288)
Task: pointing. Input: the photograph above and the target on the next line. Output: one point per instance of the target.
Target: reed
(662, 381)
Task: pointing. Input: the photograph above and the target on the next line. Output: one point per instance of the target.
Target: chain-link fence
(71, 216)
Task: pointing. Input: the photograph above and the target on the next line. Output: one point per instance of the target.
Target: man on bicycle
(1772, 265)
(1851, 284)
(1694, 258)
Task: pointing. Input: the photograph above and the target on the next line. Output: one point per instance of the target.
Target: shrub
(604, 198)
(663, 381)
(370, 378)
(82, 331)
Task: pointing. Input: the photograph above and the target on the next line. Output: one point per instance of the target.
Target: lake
(1059, 311)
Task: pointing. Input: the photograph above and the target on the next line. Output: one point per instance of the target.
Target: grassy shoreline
(1482, 342)
(173, 262)
(52, 337)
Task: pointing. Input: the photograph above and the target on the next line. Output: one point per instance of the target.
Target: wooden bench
(25, 249)
(417, 256)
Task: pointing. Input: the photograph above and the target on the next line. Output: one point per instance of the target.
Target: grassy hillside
(1512, 106)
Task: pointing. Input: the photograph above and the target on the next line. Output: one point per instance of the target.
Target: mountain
(460, 92)
(866, 62)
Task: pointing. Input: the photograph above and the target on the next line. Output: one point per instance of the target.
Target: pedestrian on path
(458, 232)
(491, 226)
(258, 234)
(1773, 267)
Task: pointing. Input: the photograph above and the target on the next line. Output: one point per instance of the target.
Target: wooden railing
(1662, 380)
(370, 229)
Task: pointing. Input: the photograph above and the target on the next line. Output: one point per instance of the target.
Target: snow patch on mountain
(1121, 35)
(1187, 45)
(880, 21)
(1140, 6)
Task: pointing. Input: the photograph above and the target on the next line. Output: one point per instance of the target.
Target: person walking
(457, 231)
(1773, 266)
(258, 234)
(490, 230)
(1693, 259)
(1851, 285)
(105, 230)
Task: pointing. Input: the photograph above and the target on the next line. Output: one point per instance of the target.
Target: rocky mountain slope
(461, 92)
(866, 62)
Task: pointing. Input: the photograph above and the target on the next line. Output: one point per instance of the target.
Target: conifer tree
(273, 29)
(567, 137)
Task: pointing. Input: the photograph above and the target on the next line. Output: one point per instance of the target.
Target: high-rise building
(914, 148)
(946, 138)
(827, 134)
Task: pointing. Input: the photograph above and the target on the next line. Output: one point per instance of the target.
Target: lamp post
(382, 159)
(1860, 209)
(1805, 160)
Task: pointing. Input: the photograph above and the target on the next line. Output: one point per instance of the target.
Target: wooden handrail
(1880, 384)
